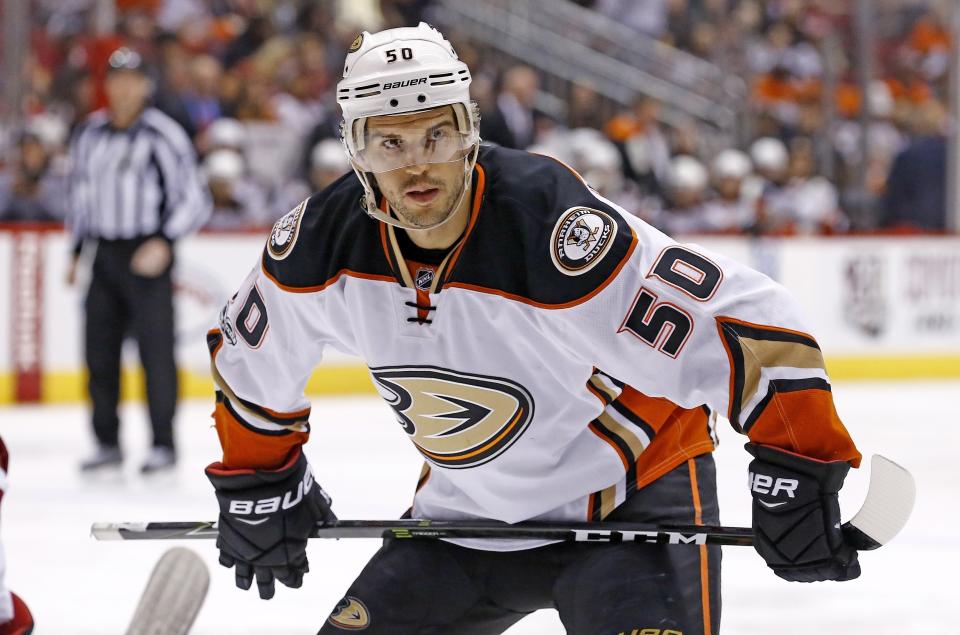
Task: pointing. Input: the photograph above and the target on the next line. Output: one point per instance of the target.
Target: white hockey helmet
(400, 71)
(687, 174)
(731, 164)
(223, 165)
(328, 155)
(770, 154)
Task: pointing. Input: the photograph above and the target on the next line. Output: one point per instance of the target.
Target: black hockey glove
(265, 520)
(796, 516)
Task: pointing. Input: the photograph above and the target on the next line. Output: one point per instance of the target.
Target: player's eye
(392, 144)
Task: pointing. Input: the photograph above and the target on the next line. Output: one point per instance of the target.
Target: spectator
(770, 161)
(33, 186)
(584, 107)
(686, 188)
(512, 123)
(202, 100)
(808, 203)
(729, 211)
(238, 201)
(328, 162)
(644, 145)
(917, 185)
(225, 133)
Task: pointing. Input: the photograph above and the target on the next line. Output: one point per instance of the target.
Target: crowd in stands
(252, 81)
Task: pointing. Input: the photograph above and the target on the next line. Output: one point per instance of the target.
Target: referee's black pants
(119, 303)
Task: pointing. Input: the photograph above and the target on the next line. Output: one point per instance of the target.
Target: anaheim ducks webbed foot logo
(456, 420)
(350, 614)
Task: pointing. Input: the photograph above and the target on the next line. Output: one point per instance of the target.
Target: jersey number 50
(662, 325)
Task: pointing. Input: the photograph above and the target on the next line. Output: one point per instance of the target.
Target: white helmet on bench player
(401, 71)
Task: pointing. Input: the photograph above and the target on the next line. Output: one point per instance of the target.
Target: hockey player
(15, 617)
(552, 358)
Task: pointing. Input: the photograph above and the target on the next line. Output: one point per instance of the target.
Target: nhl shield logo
(581, 238)
(424, 279)
(285, 231)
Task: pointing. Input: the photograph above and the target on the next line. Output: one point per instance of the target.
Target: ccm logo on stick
(763, 484)
(274, 503)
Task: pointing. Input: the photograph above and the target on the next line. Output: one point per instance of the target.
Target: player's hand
(265, 520)
(796, 516)
(151, 258)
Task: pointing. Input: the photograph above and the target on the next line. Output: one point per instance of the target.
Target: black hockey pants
(432, 587)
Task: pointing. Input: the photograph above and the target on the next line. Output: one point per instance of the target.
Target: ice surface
(76, 585)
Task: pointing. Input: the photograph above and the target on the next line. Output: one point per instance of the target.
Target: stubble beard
(434, 215)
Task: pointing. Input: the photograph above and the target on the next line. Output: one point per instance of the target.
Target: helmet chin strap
(372, 207)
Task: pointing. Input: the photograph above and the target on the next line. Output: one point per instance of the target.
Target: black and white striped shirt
(135, 182)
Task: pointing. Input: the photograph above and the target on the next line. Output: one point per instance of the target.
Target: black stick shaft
(425, 529)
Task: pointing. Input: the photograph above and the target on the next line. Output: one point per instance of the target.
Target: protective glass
(390, 147)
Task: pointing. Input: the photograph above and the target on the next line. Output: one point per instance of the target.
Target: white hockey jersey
(562, 355)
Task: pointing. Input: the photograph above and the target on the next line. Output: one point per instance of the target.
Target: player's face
(426, 191)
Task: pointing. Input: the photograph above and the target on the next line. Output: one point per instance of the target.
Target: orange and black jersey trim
(778, 418)
(517, 199)
(651, 435)
(244, 443)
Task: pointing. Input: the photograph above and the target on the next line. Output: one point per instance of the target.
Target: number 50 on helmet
(401, 71)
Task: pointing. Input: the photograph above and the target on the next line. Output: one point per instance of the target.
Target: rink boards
(880, 307)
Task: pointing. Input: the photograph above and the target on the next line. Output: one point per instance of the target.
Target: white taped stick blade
(174, 594)
(889, 501)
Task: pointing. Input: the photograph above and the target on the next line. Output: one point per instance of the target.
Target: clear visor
(384, 146)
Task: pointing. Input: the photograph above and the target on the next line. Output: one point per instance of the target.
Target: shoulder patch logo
(580, 239)
(350, 614)
(285, 231)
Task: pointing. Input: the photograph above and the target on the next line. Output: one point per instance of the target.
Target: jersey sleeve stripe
(608, 391)
(782, 386)
(828, 440)
(249, 448)
(259, 426)
(756, 351)
(618, 444)
(636, 440)
(257, 417)
(628, 415)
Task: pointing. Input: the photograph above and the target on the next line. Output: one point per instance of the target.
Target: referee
(134, 190)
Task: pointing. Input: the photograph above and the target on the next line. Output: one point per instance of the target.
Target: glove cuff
(226, 478)
(829, 474)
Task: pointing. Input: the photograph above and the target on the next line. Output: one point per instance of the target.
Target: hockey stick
(174, 595)
(885, 511)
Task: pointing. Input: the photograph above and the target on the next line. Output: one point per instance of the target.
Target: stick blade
(174, 594)
(890, 497)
